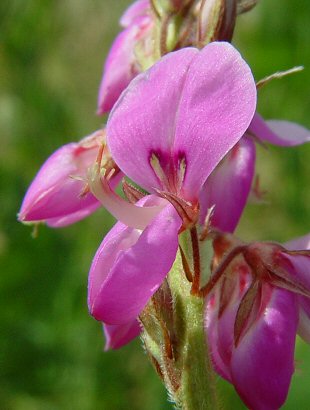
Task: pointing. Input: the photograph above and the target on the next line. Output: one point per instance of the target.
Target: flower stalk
(175, 339)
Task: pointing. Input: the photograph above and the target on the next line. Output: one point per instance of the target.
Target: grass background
(51, 56)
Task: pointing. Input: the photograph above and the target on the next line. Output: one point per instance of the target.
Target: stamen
(199, 24)
(100, 155)
(181, 173)
(159, 172)
(186, 211)
(129, 214)
(85, 190)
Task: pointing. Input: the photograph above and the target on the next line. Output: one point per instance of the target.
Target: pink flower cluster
(185, 132)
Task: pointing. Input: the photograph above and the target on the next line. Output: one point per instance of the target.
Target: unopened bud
(216, 20)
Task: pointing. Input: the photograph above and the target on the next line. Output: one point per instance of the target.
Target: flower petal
(263, 363)
(298, 267)
(304, 318)
(221, 311)
(303, 242)
(217, 105)
(142, 121)
(119, 335)
(134, 12)
(212, 332)
(56, 190)
(69, 219)
(191, 106)
(126, 212)
(119, 69)
(228, 187)
(277, 132)
(130, 265)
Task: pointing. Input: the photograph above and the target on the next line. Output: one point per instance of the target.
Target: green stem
(198, 388)
(174, 334)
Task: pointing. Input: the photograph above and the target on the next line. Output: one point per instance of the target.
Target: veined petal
(278, 132)
(190, 108)
(143, 120)
(228, 187)
(134, 12)
(130, 265)
(263, 363)
(217, 105)
(117, 336)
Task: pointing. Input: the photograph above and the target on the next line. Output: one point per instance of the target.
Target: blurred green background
(51, 56)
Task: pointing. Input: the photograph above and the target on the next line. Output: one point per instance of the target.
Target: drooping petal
(130, 265)
(228, 187)
(56, 190)
(134, 12)
(277, 132)
(69, 219)
(191, 106)
(119, 69)
(117, 336)
(263, 363)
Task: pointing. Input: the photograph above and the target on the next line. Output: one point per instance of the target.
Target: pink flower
(279, 132)
(260, 293)
(229, 185)
(121, 64)
(167, 132)
(118, 335)
(59, 195)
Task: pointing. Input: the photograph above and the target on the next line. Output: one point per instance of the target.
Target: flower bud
(257, 297)
(216, 20)
(122, 63)
(58, 194)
